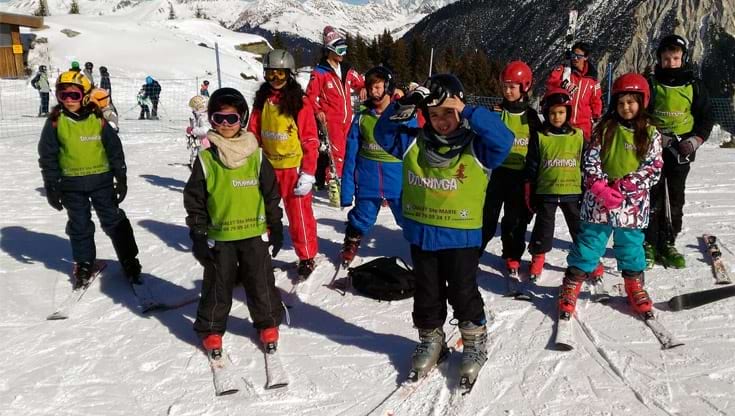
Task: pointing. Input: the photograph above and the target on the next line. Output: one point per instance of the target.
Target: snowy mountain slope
(303, 18)
(345, 354)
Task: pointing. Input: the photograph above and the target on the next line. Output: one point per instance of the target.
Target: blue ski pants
(592, 242)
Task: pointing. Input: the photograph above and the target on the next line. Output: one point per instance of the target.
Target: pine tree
(42, 9)
(361, 56)
(278, 41)
(448, 63)
(171, 12)
(199, 13)
(399, 62)
(74, 9)
(374, 52)
(418, 63)
(385, 45)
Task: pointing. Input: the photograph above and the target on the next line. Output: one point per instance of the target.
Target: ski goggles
(229, 119)
(69, 95)
(576, 56)
(272, 75)
(340, 48)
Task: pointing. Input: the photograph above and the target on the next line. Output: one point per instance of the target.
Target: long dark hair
(292, 96)
(603, 133)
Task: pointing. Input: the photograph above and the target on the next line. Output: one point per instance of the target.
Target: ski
(598, 291)
(719, 269)
(340, 280)
(665, 337)
(334, 184)
(63, 311)
(224, 380)
(275, 372)
(564, 339)
(694, 299)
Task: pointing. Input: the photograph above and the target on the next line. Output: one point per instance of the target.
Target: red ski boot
(269, 338)
(637, 295)
(513, 266)
(350, 246)
(569, 290)
(598, 272)
(213, 344)
(537, 266)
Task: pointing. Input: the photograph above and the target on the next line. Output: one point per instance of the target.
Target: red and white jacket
(585, 91)
(330, 94)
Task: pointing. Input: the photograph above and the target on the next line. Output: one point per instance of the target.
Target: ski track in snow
(345, 354)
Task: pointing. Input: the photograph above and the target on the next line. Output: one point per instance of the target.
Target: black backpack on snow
(384, 279)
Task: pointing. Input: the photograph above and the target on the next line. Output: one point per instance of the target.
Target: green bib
(451, 196)
(369, 148)
(518, 124)
(235, 204)
(559, 171)
(672, 108)
(81, 151)
(621, 158)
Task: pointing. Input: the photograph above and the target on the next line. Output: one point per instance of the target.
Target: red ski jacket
(585, 91)
(330, 94)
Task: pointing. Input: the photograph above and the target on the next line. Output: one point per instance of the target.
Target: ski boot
(474, 353)
(537, 266)
(269, 338)
(83, 272)
(570, 287)
(670, 257)
(512, 266)
(637, 295)
(350, 246)
(213, 345)
(432, 350)
(305, 268)
(650, 251)
(132, 269)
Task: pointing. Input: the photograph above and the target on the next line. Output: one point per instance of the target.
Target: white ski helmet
(198, 103)
(279, 59)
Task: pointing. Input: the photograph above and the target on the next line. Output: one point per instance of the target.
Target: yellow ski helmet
(198, 103)
(74, 78)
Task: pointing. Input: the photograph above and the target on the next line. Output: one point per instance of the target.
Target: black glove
(415, 97)
(275, 238)
(200, 248)
(437, 93)
(53, 196)
(690, 145)
(120, 188)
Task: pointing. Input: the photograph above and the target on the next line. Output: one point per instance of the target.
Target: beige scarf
(234, 151)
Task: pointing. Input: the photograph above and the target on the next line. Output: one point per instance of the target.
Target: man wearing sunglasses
(579, 78)
(329, 90)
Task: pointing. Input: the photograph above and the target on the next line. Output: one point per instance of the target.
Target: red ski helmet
(518, 72)
(632, 83)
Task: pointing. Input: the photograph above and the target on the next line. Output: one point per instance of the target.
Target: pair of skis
(334, 185)
(226, 380)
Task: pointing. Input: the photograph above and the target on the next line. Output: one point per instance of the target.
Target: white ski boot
(474, 353)
(432, 350)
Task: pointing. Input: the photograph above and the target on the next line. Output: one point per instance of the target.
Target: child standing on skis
(196, 132)
(231, 202)
(554, 176)
(621, 165)
(83, 166)
(506, 183)
(283, 121)
(371, 175)
(445, 166)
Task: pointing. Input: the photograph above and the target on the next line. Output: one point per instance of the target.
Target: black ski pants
(674, 177)
(505, 191)
(246, 262)
(43, 109)
(80, 227)
(542, 236)
(446, 275)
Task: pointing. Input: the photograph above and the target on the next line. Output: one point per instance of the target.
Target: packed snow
(345, 354)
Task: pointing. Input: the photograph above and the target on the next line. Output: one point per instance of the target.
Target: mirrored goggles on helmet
(229, 119)
(69, 95)
(272, 75)
(340, 50)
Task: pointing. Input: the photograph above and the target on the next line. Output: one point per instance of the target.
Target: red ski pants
(301, 222)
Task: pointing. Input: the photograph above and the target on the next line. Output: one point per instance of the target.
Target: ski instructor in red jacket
(579, 78)
(329, 89)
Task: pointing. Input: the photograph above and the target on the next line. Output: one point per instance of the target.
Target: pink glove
(188, 130)
(609, 197)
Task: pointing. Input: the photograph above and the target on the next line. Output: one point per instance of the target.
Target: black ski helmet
(88, 65)
(103, 70)
(386, 75)
(42, 68)
(673, 41)
(229, 96)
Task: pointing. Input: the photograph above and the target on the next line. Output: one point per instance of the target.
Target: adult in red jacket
(579, 78)
(329, 89)
(283, 121)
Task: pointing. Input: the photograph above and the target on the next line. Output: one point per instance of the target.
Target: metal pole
(216, 54)
(431, 61)
(609, 82)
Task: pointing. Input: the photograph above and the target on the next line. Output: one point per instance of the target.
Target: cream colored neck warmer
(234, 151)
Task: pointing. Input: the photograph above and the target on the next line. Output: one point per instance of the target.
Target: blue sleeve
(495, 140)
(347, 193)
(392, 136)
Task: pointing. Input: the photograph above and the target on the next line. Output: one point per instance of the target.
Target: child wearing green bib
(445, 175)
(83, 167)
(554, 176)
(621, 165)
(231, 202)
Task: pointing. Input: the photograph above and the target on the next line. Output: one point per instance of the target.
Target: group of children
(445, 180)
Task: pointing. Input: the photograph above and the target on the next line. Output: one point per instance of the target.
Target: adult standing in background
(329, 89)
(40, 82)
(152, 91)
(88, 68)
(105, 80)
(579, 78)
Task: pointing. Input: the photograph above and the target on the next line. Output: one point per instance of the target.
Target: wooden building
(11, 48)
